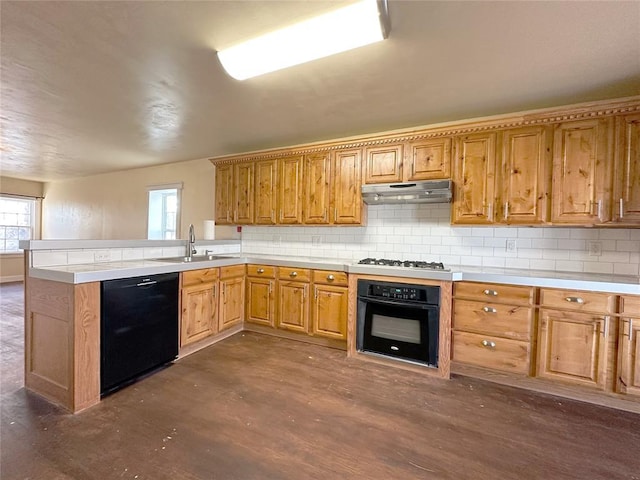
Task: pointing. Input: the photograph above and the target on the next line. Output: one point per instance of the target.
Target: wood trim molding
(545, 116)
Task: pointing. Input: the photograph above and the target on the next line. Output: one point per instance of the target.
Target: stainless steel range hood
(429, 191)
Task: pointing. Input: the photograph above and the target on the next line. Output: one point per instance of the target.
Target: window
(164, 212)
(19, 220)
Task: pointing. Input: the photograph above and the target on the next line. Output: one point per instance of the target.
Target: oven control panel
(402, 293)
(399, 292)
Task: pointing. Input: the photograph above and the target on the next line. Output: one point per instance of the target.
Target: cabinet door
(573, 347)
(525, 176)
(317, 174)
(243, 193)
(290, 191)
(199, 308)
(429, 159)
(626, 208)
(347, 187)
(383, 164)
(474, 179)
(629, 359)
(293, 306)
(265, 192)
(224, 194)
(329, 311)
(260, 304)
(581, 172)
(231, 302)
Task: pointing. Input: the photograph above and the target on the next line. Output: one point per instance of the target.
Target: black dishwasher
(138, 328)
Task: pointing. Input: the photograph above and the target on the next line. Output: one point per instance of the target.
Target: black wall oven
(399, 320)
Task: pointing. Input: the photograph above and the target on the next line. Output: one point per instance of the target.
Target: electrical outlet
(511, 246)
(595, 249)
(316, 240)
(102, 256)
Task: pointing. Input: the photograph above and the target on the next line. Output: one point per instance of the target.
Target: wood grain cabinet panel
(347, 187)
(491, 352)
(573, 347)
(199, 312)
(290, 188)
(582, 168)
(474, 179)
(266, 194)
(224, 194)
(260, 301)
(626, 196)
(329, 311)
(293, 306)
(494, 292)
(243, 193)
(317, 194)
(525, 176)
(513, 321)
(232, 299)
(384, 164)
(629, 356)
(429, 159)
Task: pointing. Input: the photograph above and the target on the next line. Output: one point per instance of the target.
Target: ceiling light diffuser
(356, 25)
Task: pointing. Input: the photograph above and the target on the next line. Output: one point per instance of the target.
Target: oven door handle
(398, 303)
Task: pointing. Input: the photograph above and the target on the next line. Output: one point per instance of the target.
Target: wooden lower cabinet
(629, 357)
(199, 313)
(492, 352)
(329, 311)
(573, 347)
(232, 294)
(260, 295)
(293, 306)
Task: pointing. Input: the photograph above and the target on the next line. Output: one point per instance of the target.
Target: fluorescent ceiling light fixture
(344, 29)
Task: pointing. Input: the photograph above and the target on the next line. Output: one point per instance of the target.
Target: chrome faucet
(191, 249)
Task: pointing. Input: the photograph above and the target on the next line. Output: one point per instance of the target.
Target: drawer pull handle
(493, 293)
(261, 270)
(489, 309)
(331, 278)
(293, 274)
(488, 344)
(574, 300)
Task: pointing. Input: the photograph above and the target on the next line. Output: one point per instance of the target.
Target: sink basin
(194, 258)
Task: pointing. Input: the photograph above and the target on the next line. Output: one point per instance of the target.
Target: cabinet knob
(492, 293)
(574, 299)
(261, 270)
(293, 274)
(331, 278)
(489, 309)
(488, 344)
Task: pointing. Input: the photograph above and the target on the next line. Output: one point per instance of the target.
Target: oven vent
(429, 191)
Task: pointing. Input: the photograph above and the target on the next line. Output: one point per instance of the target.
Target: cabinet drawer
(232, 271)
(265, 271)
(297, 274)
(495, 292)
(330, 277)
(491, 352)
(576, 300)
(195, 277)
(630, 305)
(513, 321)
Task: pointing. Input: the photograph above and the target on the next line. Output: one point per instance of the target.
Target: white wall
(423, 232)
(114, 205)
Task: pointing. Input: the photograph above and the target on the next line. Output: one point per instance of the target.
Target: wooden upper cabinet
(626, 183)
(317, 192)
(525, 176)
(290, 190)
(265, 203)
(346, 187)
(224, 194)
(582, 168)
(384, 164)
(428, 159)
(243, 193)
(474, 179)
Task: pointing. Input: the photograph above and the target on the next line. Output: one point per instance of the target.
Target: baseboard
(12, 278)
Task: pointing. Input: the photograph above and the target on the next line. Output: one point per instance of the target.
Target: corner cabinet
(232, 294)
(474, 170)
(199, 315)
(582, 169)
(626, 195)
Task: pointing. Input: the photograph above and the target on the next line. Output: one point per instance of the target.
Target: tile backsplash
(424, 232)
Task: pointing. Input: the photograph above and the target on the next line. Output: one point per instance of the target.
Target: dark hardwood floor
(260, 407)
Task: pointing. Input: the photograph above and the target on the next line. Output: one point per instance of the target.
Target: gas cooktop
(402, 263)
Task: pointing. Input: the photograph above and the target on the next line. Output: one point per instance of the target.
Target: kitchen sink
(194, 258)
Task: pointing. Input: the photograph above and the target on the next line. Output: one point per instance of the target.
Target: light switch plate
(511, 245)
(102, 256)
(595, 249)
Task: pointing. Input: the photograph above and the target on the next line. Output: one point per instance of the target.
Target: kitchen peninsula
(62, 315)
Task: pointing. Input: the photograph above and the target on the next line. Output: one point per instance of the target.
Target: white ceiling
(96, 86)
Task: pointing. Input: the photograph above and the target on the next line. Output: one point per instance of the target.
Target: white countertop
(96, 272)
